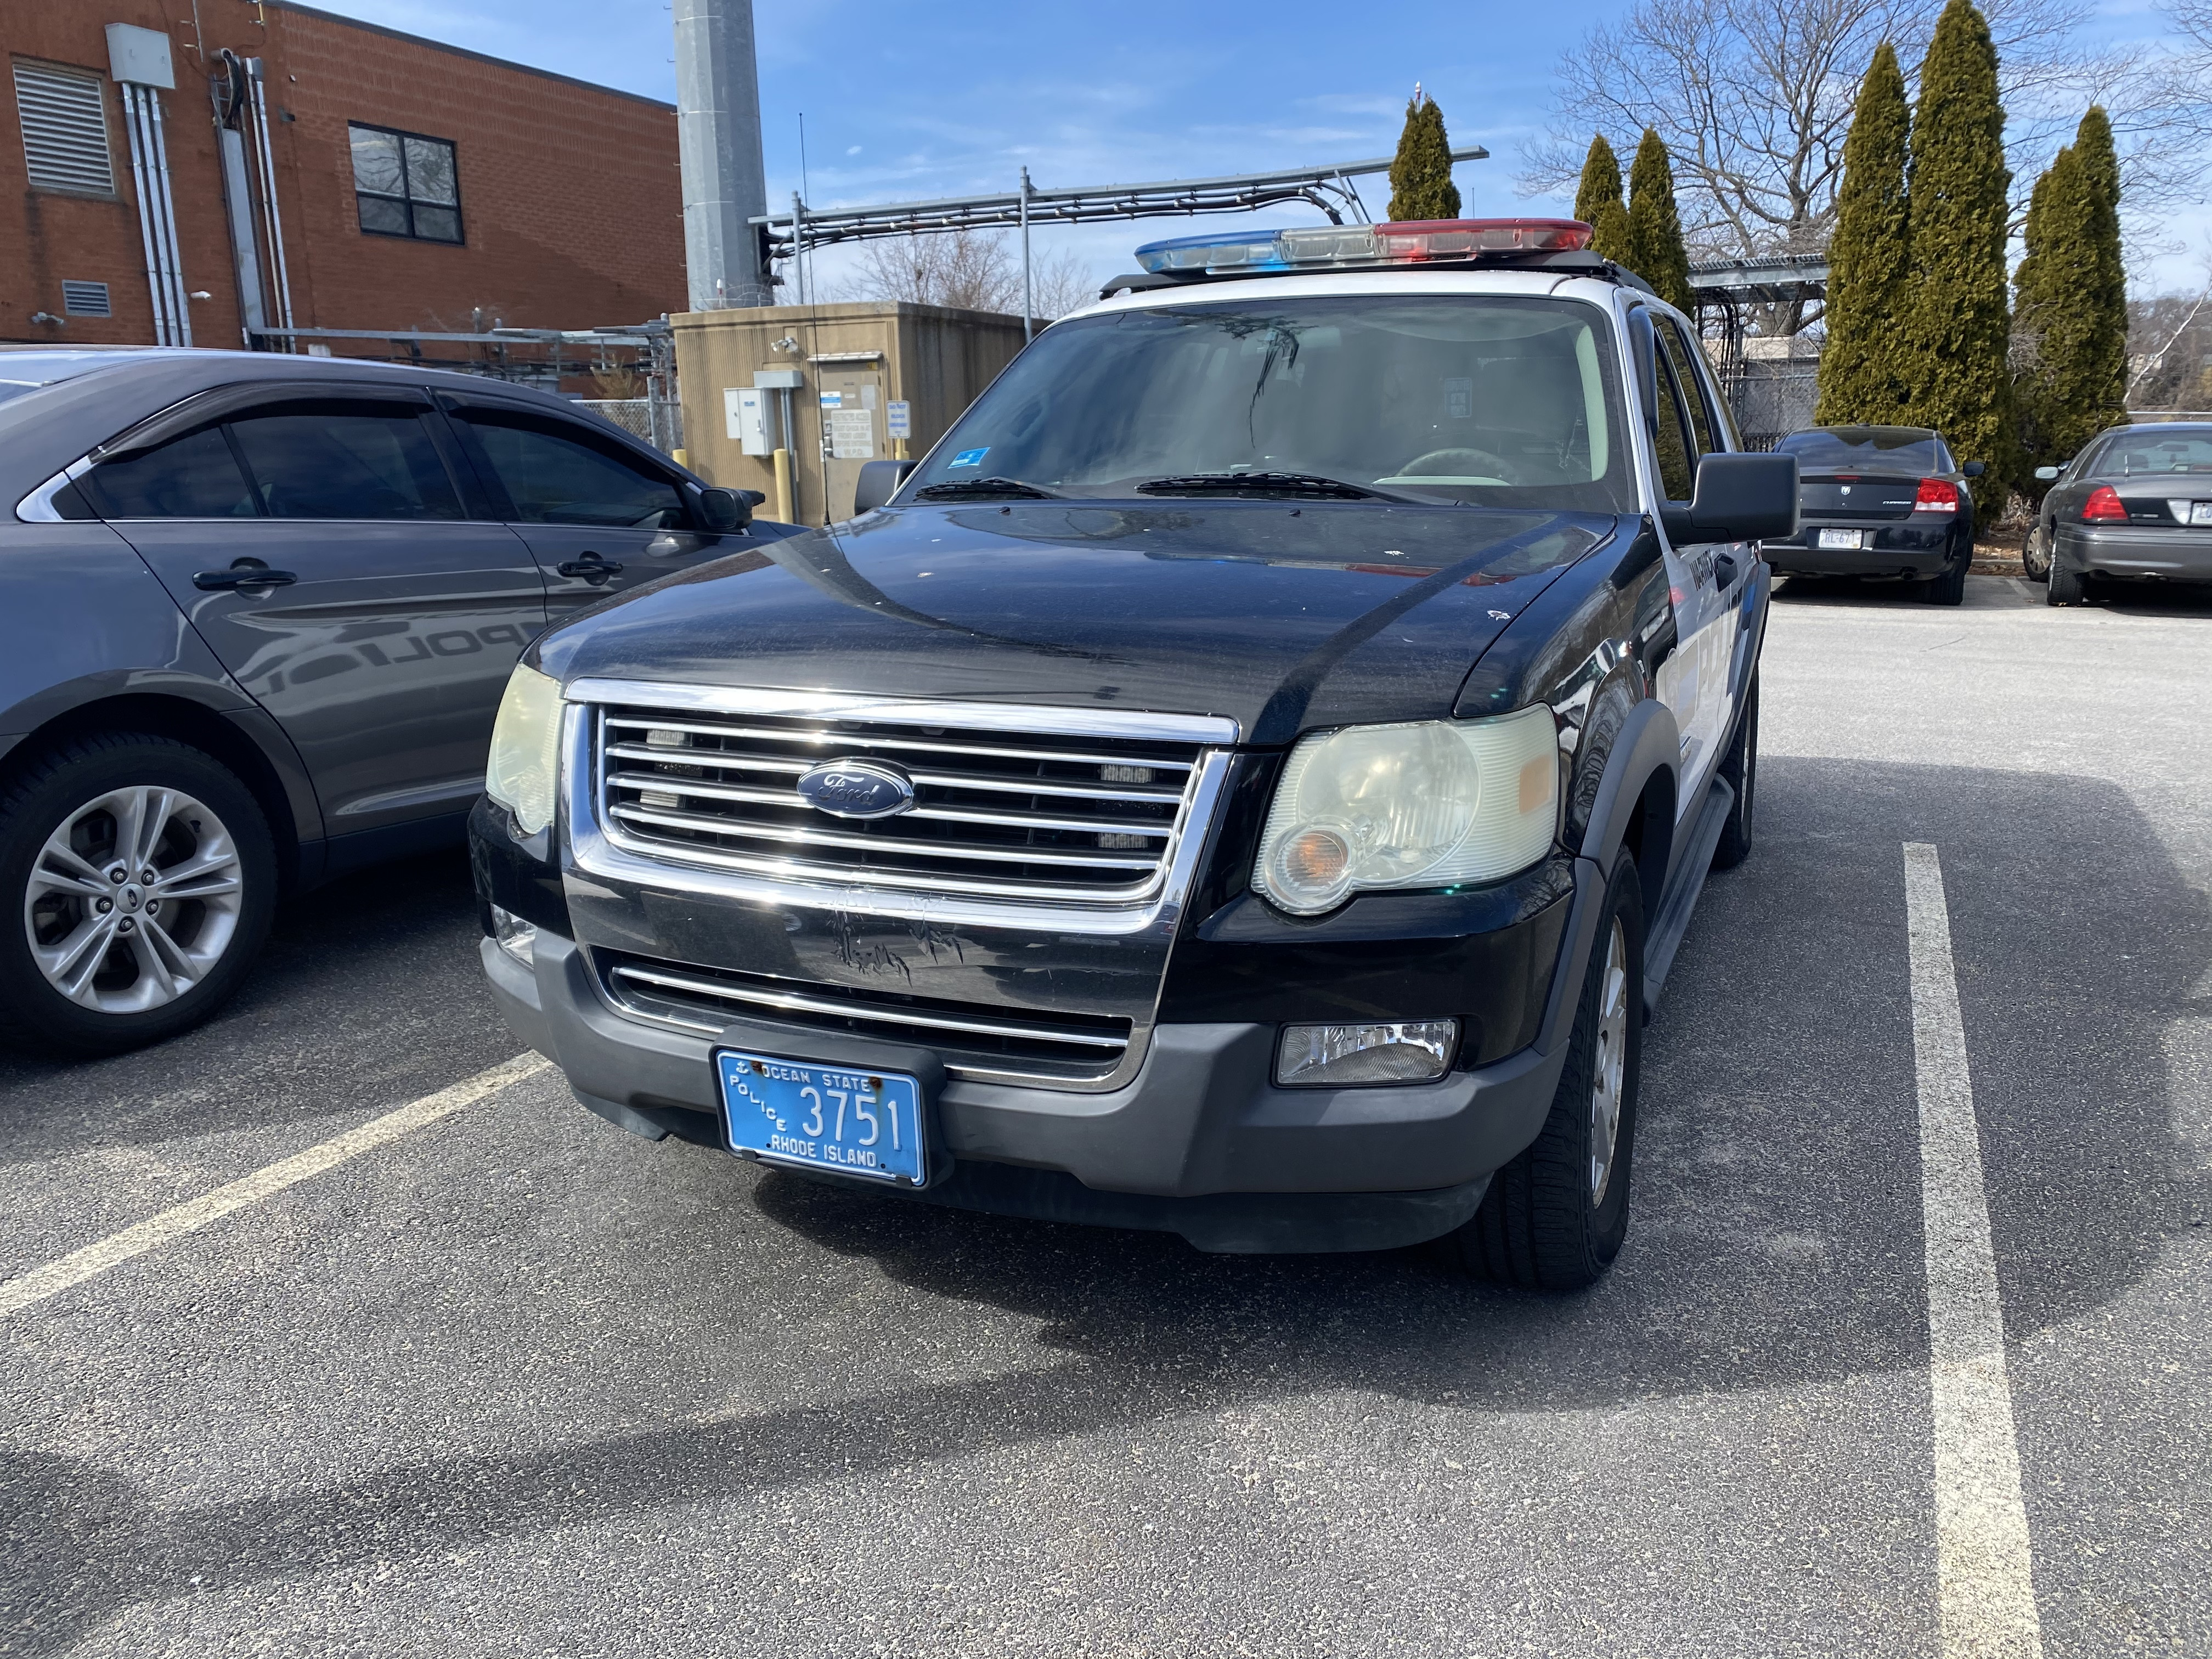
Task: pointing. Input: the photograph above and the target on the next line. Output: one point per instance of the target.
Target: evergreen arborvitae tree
(1869, 257)
(1610, 239)
(2072, 297)
(2105, 389)
(1655, 229)
(1600, 181)
(1420, 176)
(1955, 345)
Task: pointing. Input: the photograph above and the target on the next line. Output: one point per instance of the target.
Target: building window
(64, 118)
(406, 185)
(86, 300)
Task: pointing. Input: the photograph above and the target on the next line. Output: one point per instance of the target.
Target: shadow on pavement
(1777, 1239)
(373, 980)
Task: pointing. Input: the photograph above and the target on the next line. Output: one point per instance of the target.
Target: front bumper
(1902, 550)
(2174, 555)
(1199, 1142)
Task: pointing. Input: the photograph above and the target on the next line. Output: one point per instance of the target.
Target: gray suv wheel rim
(133, 900)
(1609, 1064)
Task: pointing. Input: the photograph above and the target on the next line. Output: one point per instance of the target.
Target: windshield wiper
(964, 489)
(1262, 483)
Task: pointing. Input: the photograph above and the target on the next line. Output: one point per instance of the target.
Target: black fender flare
(1646, 745)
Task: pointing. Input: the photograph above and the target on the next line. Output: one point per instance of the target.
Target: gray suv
(259, 611)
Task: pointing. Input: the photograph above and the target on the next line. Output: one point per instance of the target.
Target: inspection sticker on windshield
(823, 1117)
(969, 458)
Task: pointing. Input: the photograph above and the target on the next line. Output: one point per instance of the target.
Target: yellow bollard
(783, 503)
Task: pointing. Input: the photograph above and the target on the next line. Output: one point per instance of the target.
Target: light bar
(1337, 247)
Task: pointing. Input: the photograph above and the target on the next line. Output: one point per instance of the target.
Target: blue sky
(908, 100)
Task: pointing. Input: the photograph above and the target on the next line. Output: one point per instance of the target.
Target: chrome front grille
(999, 812)
(976, 1042)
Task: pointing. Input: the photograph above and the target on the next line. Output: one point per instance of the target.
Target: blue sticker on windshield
(969, 457)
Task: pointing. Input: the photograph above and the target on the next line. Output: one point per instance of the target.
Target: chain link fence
(1770, 401)
(659, 420)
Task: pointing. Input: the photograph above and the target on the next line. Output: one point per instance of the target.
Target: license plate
(1839, 540)
(824, 1117)
(2200, 513)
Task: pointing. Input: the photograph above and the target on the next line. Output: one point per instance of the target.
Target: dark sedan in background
(2136, 505)
(257, 612)
(1883, 503)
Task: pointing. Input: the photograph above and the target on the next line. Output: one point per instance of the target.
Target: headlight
(526, 743)
(1424, 805)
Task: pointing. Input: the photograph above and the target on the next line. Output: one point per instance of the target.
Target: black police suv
(1250, 780)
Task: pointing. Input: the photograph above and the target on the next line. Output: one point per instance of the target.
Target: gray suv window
(346, 460)
(194, 477)
(555, 478)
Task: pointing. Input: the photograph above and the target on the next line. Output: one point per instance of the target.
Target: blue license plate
(824, 1117)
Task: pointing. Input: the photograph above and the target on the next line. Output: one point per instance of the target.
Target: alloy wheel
(1609, 1064)
(133, 900)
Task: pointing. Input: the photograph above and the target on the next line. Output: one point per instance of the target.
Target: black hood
(1282, 617)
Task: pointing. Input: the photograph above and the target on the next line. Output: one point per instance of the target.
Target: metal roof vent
(65, 120)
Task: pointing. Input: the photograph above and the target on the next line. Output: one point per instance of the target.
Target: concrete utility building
(258, 165)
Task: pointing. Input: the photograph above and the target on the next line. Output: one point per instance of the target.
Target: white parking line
(57, 1275)
(1985, 1591)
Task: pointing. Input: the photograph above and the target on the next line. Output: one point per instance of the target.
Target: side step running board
(1696, 861)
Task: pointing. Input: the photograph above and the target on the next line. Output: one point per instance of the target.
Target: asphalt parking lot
(513, 1381)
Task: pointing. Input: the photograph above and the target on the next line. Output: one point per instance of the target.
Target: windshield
(2154, 450)
(1902, 449)
(1503, 401)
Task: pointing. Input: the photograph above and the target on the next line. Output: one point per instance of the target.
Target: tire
(161, 955)
(1554, 1218)
(2035, 556)
(2067, 587)
(1739, 766)
(1950, 587)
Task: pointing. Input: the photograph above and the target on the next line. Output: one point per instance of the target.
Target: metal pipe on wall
(272, 221)
(173, 265)
(134, 126)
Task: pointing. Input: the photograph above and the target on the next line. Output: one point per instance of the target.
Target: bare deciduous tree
(970, 269)
(1753, 98)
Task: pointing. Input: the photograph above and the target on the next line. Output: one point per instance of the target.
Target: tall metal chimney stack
(718, 134)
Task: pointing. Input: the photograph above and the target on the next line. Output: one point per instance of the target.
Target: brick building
(339, 174)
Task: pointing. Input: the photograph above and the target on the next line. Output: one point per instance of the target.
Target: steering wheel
(1463, 463)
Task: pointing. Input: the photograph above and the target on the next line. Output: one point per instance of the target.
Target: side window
(1677, 472)
(351, 458)
(1688, 382)
(555, 477)
(194, 477)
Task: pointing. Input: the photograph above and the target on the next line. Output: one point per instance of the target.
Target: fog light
(1336, 1056)
(518, 937)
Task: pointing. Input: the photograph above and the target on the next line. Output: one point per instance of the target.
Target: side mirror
(1739, 498)
(2048, 474)
(1975, 469)
(753, 498)
(880, 481)
(727, 510)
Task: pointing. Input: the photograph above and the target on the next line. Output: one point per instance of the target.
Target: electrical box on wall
(745, 414)
(140, 57)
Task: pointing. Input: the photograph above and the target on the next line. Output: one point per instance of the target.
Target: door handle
(243, 573)
(591, 567)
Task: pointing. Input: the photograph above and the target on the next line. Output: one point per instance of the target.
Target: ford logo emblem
(857, 789)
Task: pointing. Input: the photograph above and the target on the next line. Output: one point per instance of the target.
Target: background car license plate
(824, 1117)
(1838, 540)
(2200, 513)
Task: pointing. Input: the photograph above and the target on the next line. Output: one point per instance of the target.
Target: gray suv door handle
(591, 567)
(244, 574)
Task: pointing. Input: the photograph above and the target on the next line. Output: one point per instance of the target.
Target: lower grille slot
(1071, 1046)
